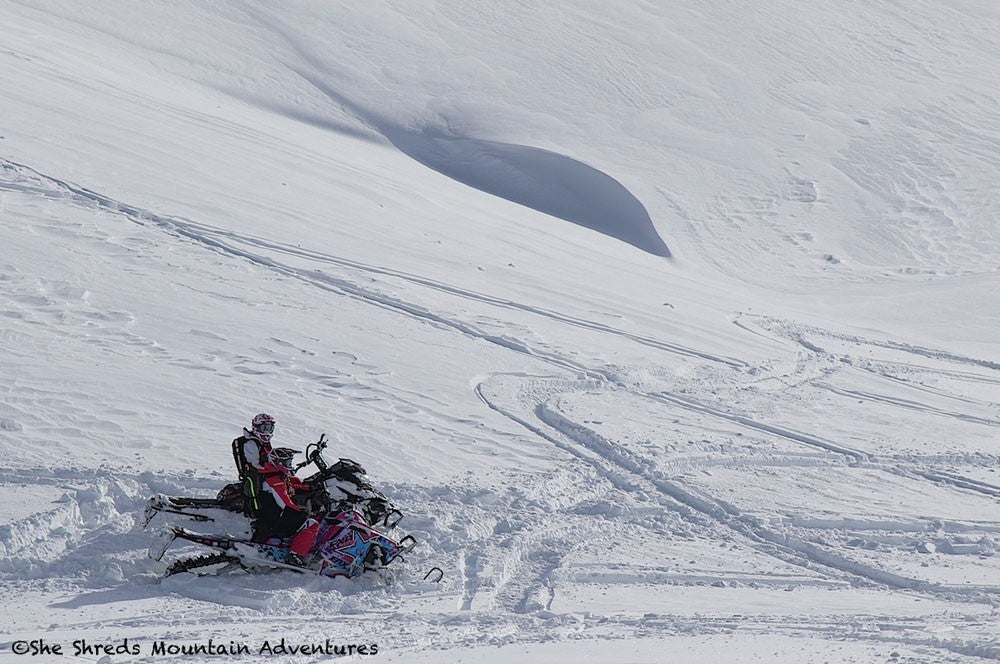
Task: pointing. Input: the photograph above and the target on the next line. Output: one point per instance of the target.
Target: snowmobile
(343, 481)
(347, 543)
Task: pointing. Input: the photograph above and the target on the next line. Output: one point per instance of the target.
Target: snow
(670, 328)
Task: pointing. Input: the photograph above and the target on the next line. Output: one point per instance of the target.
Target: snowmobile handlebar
(314, 454)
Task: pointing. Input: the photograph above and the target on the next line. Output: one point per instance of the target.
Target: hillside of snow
(670, 327)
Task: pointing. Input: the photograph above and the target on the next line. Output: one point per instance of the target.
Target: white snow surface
(671, 327)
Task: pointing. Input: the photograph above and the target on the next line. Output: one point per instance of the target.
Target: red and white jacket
(281, 484)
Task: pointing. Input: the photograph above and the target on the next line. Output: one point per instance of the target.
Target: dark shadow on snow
(126, 592)
(541, 180)
(546, 181)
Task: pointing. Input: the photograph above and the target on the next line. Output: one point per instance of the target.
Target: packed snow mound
(551, 183)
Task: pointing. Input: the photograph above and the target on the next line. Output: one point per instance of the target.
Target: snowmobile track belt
(189, 564)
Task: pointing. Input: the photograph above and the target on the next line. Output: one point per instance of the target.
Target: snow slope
(671, 327)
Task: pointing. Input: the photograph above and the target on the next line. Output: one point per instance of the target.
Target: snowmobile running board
(193, 502)
(153, 510)
(172, 505)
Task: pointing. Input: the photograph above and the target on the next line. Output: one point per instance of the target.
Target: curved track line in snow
(612, 477)
(788, 548)
(908, 404)
(480, 297)
(812, 441)
(965, 395)
(955, 479)
(796, 331)
(623, 466)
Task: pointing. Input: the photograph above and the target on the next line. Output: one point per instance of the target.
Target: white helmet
(262, 426)
(282, 456)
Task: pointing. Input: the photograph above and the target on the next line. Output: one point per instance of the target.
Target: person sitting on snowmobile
(279, 515)
(250, 452)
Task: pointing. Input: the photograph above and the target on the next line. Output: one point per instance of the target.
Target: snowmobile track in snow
(225, 242)
(626, 470)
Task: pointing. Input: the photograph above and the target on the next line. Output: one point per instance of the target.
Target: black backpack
(250, 480)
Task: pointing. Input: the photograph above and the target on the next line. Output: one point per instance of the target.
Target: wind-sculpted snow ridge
(551, 183)
(543, 180)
